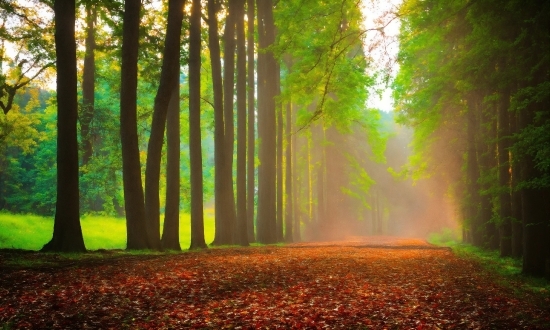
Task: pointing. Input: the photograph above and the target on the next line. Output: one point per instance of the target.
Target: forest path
(365, 282)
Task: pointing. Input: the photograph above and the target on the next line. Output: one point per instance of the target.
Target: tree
(88, 85)
(67, 233)
(251, 117)
(221, 185)
(27, 30)
(267, 70)
(289, 215)
(195, 152)
(242, 222)
(169, 77)
(279, 166)
(229, 223)
(463, 67)
(134, 204)
(170, 233)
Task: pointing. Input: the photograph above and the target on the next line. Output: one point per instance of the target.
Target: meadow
(31, 232)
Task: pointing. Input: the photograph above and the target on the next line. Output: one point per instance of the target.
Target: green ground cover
(31, 232)
(507, 271)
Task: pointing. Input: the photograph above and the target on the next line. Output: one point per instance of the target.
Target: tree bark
(250, 183)
(280, 193)
(219, 147)
(136, 226)
(88, 86)
(517, 225)
(472, 175)
(195, 149)
(229, 232)
(289, 214)
(505, 198)
(267, 69)
(486, 162)
(67, 233)
(242, 233)
(170, 232)
(169, 76)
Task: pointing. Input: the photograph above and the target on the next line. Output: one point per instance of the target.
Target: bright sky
(382, 50)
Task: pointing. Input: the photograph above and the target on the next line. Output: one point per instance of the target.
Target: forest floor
(366, 282)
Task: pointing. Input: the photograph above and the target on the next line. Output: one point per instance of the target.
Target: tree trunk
(280, 143)
(169, 76)
(472, 175)
(517, 225)
(195, 149)
(487, 161)
(88, 86)
(67, 233)
(321, 210)
(134, 205)
(229, 233)
(289, 214)
(267, 69)
(505, 198)
(242, 233)
(171, 230)
(251, 119)
(219, 147)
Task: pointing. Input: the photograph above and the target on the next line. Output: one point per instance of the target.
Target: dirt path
(365, 283)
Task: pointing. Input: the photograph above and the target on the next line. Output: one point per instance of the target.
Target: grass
(31, 232)
(506, 270)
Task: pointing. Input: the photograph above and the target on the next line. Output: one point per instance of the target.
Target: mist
(345, 188)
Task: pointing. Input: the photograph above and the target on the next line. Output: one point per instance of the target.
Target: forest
(295, 153)
(247, 123)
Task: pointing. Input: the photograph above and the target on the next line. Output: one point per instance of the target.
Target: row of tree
(300, 76)
(474, 84)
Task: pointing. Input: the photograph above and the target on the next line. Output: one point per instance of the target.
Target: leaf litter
(364, 283)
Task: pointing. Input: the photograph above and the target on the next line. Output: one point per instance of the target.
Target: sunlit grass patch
(446, 237)
(103, 232)
(31, 232)
(24, 231)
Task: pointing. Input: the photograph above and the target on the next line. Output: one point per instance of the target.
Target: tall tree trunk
(195, 149)
(67, 233)
(280, 143)
(299, 181)
(134, 205)
(321, 210)
(219, 148)
(229, 223)
(88, 86)
(289, 214)
(267, 69)
(536, 238)
(487, 161)
(171, 230)
(242, 233)
(250, 183)
(472, 175)
(505, 198)
(168, 78)
(517, 225)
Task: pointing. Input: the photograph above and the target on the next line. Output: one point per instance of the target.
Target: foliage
(325, 62)
(380, 284)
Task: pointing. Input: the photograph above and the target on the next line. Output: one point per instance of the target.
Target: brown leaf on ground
(380, 283)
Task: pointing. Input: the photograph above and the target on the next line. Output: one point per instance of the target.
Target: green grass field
(31, 232)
